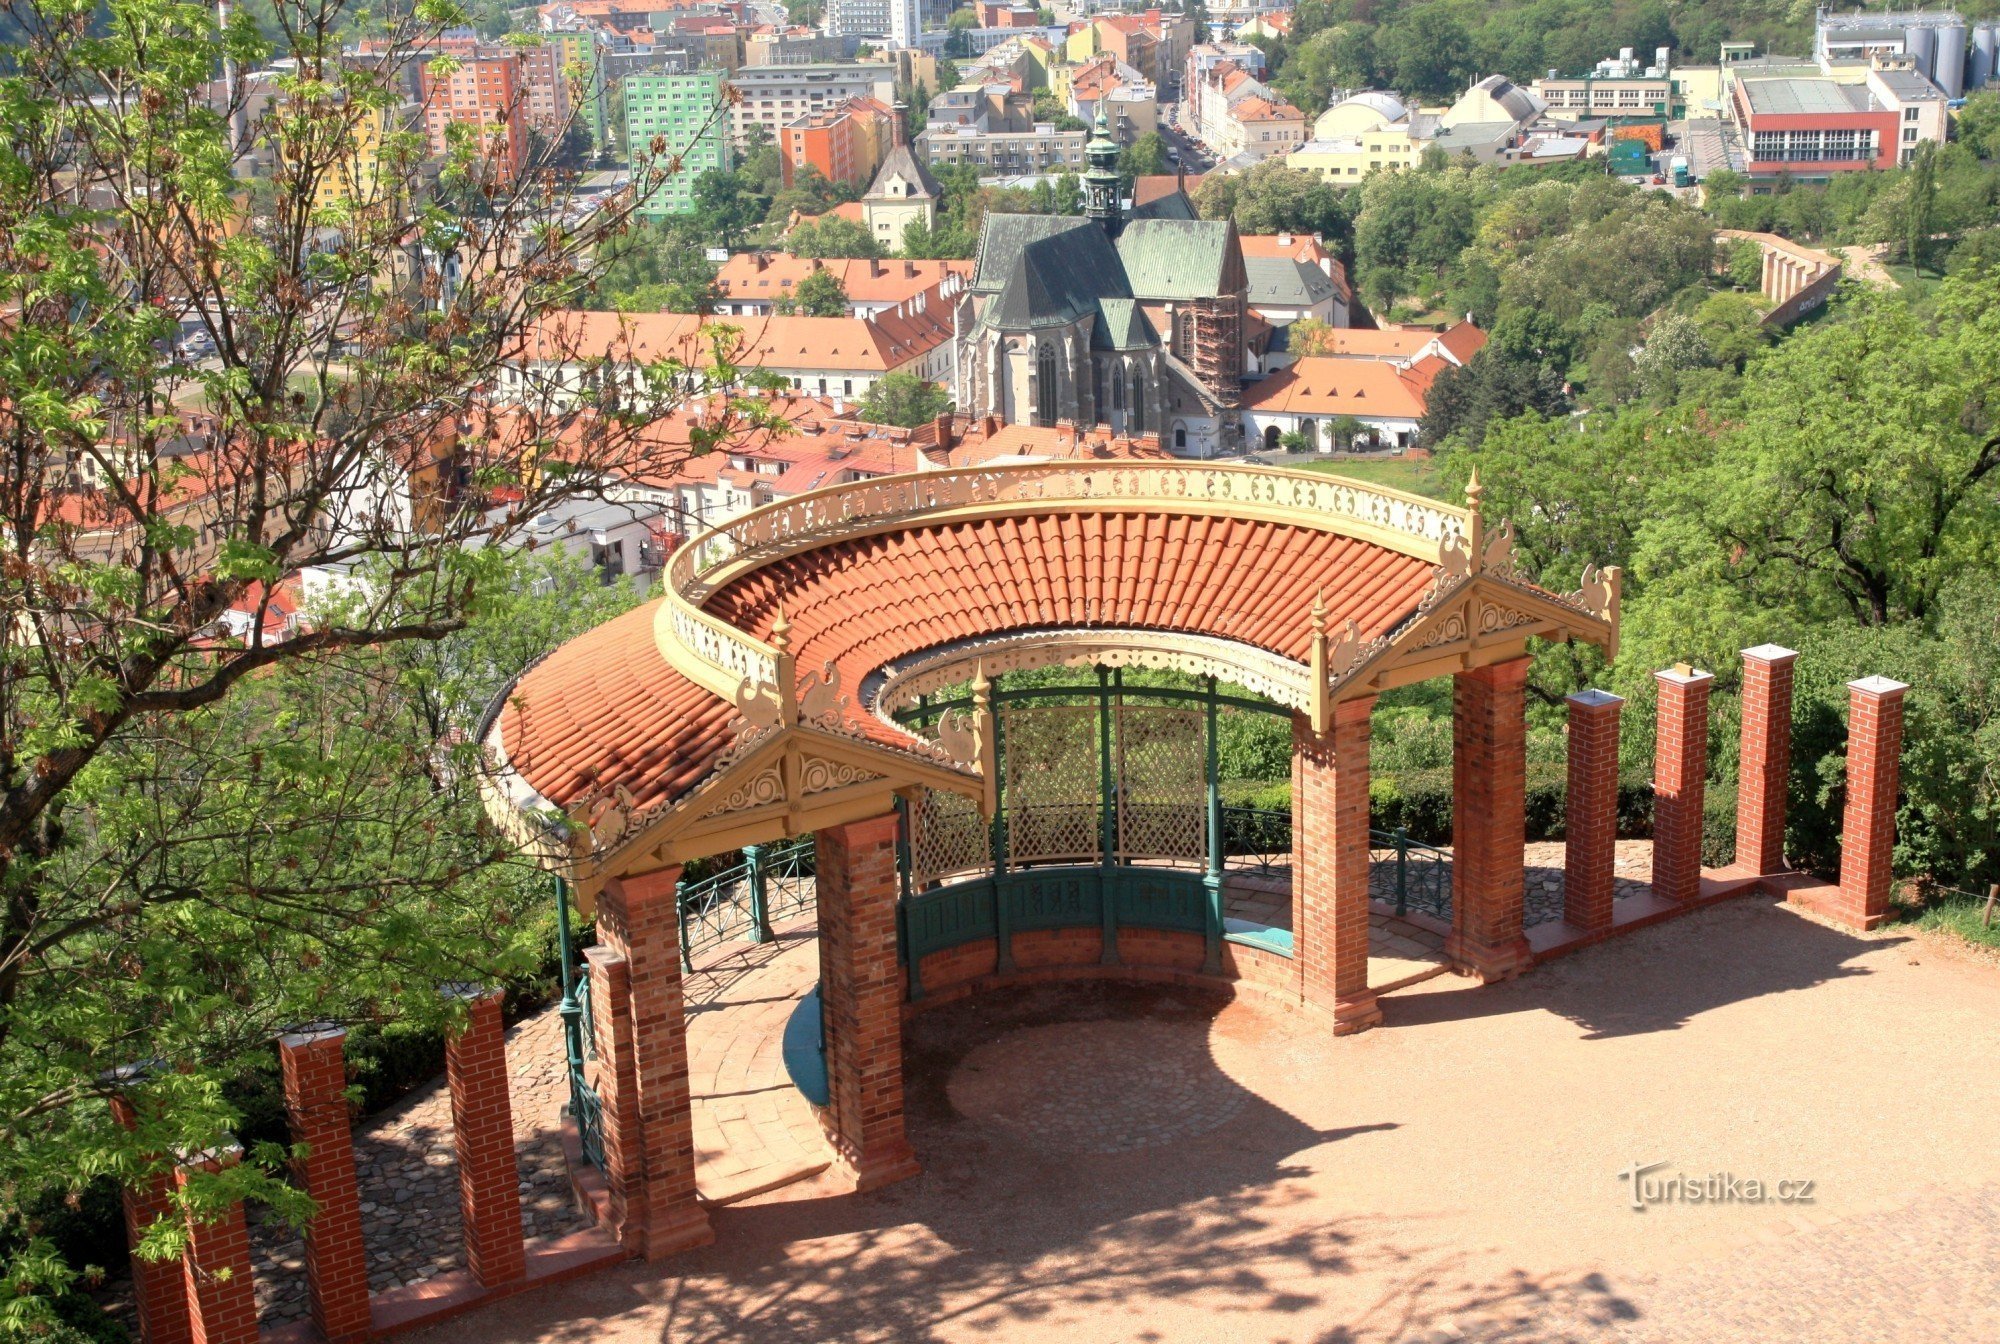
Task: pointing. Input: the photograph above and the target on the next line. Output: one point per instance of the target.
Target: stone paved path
(409, 1179)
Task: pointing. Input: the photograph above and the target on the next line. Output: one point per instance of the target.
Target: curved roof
(608, 710)
(727, 709)
(1388, 104)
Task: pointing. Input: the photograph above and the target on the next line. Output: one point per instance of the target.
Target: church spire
(1100, 180)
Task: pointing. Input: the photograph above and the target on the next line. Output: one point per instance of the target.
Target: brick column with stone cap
(315, 1071)
(617, 1087)
(638, 918)
(1874, 773)
(1489, 831)
(1763, 776)
(860, 985)
(1591, 810)
(1680, 779)
(159, 1287)
(221, 1296)
(482, 1136)
(1330, 865)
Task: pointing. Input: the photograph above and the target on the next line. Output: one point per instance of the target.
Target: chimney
(1284, 240)
(874, 268)
(759, 260)
(897, 128)
(909, 270)
(943, 427)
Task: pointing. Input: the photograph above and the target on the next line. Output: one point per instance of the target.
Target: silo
(1950, 74)
(1985, 56)
(1920, 45)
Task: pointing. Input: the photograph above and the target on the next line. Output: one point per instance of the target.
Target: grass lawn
(1961, 916)
(1417, 475)
(1917, 286)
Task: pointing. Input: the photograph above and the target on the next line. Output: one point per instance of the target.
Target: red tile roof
(1328, 385)
(867, 602)
(607, 708)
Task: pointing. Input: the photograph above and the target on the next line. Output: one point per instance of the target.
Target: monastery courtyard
(1125, 1162)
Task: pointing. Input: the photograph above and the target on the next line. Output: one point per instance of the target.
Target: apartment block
(681, 111)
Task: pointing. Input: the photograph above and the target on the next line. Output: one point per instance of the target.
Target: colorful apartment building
(481, 90)
(845, 144)
(1810, 129)
(681, 111)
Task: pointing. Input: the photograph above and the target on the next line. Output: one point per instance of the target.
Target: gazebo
(835, 666)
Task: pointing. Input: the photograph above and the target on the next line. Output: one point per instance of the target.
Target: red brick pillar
(1330, 865)
(315, 1072)
(221, 1296)
(159, 1287)
(1680, 780)
(860, 990)
(638, 919)
(1874, 772)
(1489, 827)
(1591, 810)
(1764, 773)
(617, 1087)
(482, 1136)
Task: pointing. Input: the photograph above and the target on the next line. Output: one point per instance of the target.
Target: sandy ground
(1117, 1163)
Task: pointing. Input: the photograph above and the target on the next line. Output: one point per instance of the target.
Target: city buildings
(481, 91)
(772, 97)
(1039, 149)
(845, 143)
(1241, 118)
(682, 113)
(903, 192)
(752, 284)
(1807, 129)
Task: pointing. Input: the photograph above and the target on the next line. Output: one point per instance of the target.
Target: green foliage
(832, 236)
(1144, 157)
(820, 294)
(658, 268)
(1272, 198)
(904, 399)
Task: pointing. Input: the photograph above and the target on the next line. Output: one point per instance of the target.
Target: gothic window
(1118, 388)
(1138, 405)
(1184, 338)
(1180, 436)
(1045, 383)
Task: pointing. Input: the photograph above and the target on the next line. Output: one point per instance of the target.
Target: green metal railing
(579, 1037)
(771, 883)
(1423, 873)
(1257, 839)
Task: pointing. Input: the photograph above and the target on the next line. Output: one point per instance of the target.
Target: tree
(1144, 157)
(1732, 327)
(832, 236)
(1308, 337)
(1977, 125)
(1674, 346)
(944, 240)
(725, 205)
(1343, 430)
(204, 839)
(1272, 198)
(1856, 477)
(820, 294)
(1428, 52)
(904, 399)
(1746, 263)
(656, 268)
(1921, 211)
(1495, 386)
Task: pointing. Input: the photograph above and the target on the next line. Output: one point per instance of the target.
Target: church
(1134, 320)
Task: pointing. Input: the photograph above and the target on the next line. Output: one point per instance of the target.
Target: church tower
(1100, 180)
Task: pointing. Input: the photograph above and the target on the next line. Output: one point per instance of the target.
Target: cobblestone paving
(409, 1180)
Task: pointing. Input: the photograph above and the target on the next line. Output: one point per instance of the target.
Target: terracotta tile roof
(606, 708)
(1293, 246)
(864, 603)
(1463, 340)
(770, 276)
(1154, 186)
(1328, 385)
(1263, 109)
(876, 344)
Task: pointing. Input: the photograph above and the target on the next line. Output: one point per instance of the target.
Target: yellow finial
(1319, 612)
(1474, 491)
(781, 631)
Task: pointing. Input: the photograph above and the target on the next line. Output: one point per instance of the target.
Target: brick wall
(1765, 768)
(222, 1301)
(1489, 753)
(638, 920)
(159, 1287)
(1680, 778)
(482, 1134)
(315, 1071)
(860, 1001)
(1868, 826)
(1591, 811)
(1330, 865)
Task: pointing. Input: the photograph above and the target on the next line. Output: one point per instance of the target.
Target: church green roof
(1175, 258)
